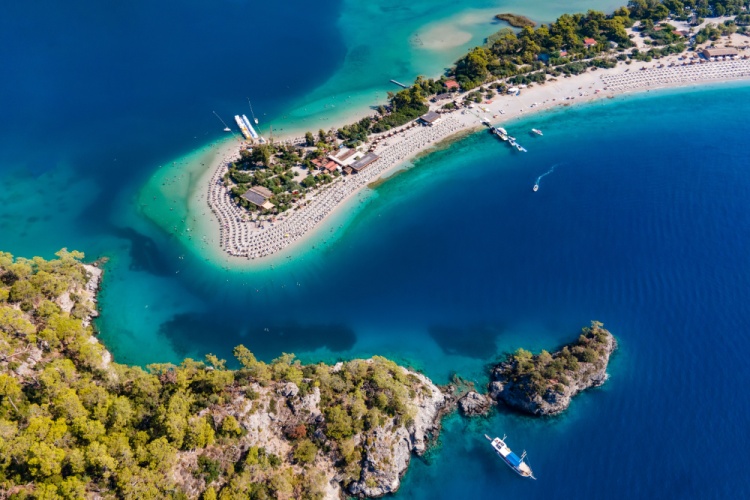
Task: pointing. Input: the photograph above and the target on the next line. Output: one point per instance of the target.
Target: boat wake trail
(539, 179)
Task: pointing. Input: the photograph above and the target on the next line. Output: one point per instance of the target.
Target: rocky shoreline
(388, 455)
(266, 419)
(280, 429)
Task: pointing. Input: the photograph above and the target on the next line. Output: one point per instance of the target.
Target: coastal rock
(430, 403)
(472, 403)
(89, 292)
(288, 390)
(386, 459)
(545, 384)
(388, 450)
(309, 405)
(496, 388)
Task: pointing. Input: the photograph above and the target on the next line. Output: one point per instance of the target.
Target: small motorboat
(536, 187)
(537, 131)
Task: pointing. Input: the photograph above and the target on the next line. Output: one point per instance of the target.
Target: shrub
(305, 452)
(210, 469)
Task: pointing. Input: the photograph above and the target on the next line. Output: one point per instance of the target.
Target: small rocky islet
(74, 423)
(544, 384)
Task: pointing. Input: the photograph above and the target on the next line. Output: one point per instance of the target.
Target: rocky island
(544, 384)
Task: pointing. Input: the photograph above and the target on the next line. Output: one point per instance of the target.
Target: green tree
(261, 154)
(98, 459)
(338, 423)
(10, 391)
(160, 454)
(305, 452)
(67, 405)
(199, 434)
(22, 291)
(247, 359)
(44, 460)
(120, 413)
(230, 426)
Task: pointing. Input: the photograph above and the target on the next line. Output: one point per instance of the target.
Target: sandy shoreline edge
(238, 243)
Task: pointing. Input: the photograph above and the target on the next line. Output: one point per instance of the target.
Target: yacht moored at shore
(511, 459)
(500, 132)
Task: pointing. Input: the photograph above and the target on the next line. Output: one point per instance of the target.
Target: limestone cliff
(388, 448)
(278, 414)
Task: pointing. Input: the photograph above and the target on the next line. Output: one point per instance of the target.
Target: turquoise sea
(643, 224)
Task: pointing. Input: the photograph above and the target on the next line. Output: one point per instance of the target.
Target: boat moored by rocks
(511, 459)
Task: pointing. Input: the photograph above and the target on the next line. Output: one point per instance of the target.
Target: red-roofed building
(589, 42)
(451, 84)
(330, 166)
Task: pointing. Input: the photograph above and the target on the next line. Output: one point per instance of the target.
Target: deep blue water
(644, 225)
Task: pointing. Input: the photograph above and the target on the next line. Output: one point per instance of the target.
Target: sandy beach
(228, 230)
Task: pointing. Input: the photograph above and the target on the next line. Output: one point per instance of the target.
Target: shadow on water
(197, 333)
(473, 341)
(144, 253)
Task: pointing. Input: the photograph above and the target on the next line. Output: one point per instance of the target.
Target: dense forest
(562, 43)
(74, 424)
(532, 54)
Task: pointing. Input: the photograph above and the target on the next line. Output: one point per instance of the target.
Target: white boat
(500, 132)
(537, 131)
(251, 111)
(536, 187)
(511, 459)
(226, 127)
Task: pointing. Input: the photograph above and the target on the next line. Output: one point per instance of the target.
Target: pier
(400, 84)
